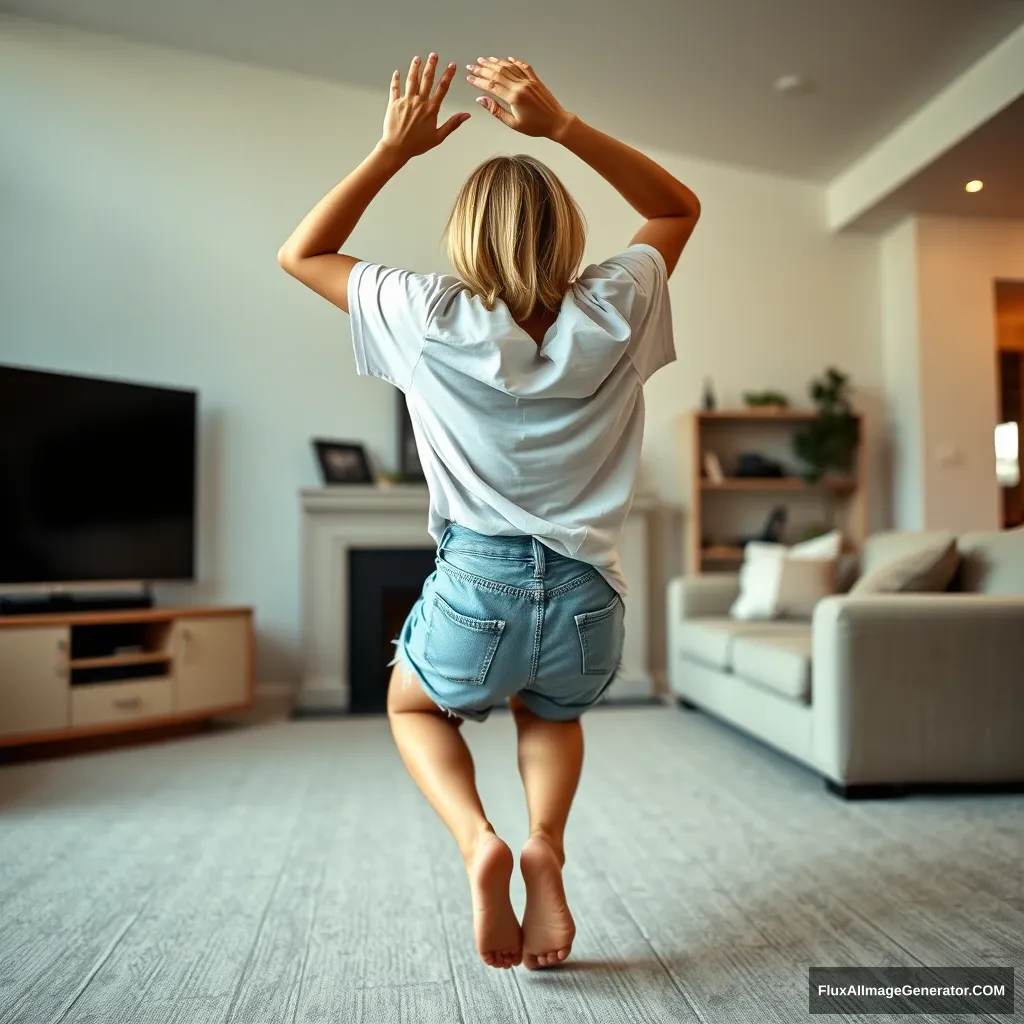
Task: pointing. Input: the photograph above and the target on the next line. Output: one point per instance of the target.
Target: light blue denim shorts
(506, 615)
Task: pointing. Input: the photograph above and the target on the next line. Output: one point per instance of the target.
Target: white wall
(901, 364)
(146, 191)
(959, 261)
(938, 277)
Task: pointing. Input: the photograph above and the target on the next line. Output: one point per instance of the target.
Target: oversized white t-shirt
(514, 437)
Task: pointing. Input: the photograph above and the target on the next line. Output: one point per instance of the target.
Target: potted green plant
(828, 444)
(765, 400)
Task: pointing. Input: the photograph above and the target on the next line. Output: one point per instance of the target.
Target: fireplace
(345, 529)
(383, 584)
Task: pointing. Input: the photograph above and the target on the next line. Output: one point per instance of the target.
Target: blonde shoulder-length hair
(516, 234)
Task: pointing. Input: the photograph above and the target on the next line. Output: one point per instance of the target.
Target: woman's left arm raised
(410, 128)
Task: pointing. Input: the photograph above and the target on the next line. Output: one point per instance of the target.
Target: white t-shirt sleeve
(389, 310)
(645, 306)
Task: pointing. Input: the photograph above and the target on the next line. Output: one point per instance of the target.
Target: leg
(550, 760)
(436, 755)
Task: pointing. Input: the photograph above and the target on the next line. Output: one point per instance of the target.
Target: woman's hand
(410, 124)
(533, 110)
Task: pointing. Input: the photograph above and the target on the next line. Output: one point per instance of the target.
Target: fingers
(444, 82)
(495, 108)
(451, 124)
(511, 69)
(394, 86)
(524, 67)
(490, 79)
(427, 79)
(412, 83)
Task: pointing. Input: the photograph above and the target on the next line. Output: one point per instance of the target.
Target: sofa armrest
(919, 688)
(694, 597)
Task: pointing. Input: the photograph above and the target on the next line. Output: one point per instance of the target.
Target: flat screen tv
(97, 480)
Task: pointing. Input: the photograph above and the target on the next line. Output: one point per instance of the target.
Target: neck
(538, 322)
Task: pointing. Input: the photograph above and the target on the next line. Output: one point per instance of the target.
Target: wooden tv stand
(84, 674)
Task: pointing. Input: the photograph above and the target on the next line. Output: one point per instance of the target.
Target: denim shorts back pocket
(459, 647)
(601, 634)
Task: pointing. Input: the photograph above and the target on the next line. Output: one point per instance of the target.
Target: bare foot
(499, 939)
(548, 927)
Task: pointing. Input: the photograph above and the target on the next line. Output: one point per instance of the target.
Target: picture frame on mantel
(410, 470)
(342, 462)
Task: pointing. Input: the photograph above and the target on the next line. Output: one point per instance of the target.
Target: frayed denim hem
(409, 675)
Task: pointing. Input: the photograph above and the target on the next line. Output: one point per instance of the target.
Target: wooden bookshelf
(837, 485)
(753, 415)
(722, 554)
(840, 501)
(120, 660)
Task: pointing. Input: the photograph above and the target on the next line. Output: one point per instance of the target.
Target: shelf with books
(723, 505)
(839, 485)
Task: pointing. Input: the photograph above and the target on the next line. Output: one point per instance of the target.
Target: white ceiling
(694, 76)
(992, 154)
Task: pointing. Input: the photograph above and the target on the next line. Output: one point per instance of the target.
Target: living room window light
(1007, 454)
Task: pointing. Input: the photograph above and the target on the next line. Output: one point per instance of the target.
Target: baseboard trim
(301, 714)
(891, 791)
(278, 689)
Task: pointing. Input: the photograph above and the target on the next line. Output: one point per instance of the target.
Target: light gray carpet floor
(289, 872)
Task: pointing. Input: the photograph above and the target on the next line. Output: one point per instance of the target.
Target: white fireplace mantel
(337, 519)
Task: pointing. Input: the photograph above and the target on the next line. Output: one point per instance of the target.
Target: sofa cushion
(928, 569)
(882, 548)
(992, 562)
(781, 663)
(847, 571)
(786, 582)
(710, 641)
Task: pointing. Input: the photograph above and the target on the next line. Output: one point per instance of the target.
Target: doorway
(1010, 374)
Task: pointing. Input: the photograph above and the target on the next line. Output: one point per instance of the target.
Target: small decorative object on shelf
(342, 462)
(774, 525)
(713, 468)
(829, 443)
(765, 400)
(758, 466)
(709, 401)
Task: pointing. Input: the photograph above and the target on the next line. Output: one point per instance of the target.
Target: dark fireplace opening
(383, 585)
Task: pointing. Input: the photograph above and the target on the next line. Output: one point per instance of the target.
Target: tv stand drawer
(110, 703)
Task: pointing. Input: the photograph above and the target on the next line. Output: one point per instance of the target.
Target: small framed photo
(713, 468)
(342, 462)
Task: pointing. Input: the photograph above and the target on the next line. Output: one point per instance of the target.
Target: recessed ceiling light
(793, 85)
(974, 186)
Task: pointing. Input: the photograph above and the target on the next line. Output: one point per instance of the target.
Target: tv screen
(97, 479)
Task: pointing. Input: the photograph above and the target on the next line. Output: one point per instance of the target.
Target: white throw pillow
(777, 581)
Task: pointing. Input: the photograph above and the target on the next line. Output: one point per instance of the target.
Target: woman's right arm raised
(670, 208)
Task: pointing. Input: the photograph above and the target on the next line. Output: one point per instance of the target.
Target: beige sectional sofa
(879, 693)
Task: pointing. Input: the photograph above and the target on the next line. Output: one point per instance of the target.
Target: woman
(524, 385)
